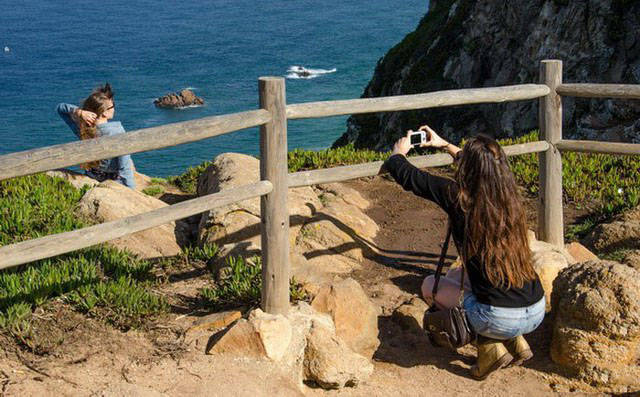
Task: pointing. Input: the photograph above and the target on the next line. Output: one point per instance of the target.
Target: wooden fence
(275, 180)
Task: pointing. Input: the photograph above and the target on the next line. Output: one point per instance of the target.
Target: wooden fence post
(273, 206)
(550, 224)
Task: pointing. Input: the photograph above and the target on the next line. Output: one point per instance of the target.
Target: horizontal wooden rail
(45, 247)
(417, 101)
(68, 154)
(630, 91)
(599, 147)
(347, 172)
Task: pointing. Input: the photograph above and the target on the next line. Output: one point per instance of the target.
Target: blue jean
(502, 322)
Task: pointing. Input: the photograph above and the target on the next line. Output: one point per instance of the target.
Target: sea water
(57, 51)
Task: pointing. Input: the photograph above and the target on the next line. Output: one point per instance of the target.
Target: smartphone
(416, 138)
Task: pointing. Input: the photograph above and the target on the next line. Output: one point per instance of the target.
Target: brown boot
(492, 355)
(519, 349)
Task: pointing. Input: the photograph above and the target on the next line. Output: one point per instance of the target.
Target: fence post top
(548, 61)
(271, 78)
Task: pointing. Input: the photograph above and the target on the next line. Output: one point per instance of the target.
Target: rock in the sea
(596, 330)
(354, 315)
(110, 200)
(180, 99)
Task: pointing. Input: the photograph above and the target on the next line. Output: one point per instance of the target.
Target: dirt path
(90, 358)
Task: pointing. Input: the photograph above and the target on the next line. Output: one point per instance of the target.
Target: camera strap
(438, 274)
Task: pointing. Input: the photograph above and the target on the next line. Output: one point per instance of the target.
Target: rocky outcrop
(596, 332)
(180, 99)
(622, 232)
(329, 233)
(110, 200)
(473, 43)
(304, 342)
(355, 317)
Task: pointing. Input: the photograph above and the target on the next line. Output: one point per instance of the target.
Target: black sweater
(443, 191)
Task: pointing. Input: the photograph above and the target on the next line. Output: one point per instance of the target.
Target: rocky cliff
(482, 43)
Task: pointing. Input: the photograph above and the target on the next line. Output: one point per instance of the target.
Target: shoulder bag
(449, 327)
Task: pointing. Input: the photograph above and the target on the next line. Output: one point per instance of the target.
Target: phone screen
(416, 138)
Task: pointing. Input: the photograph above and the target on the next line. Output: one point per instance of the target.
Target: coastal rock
(579, 252)
(180, 99)
(110, 200)
(410, 315)
(548, 264)
(596, 331)
(471, 44)
(329, 233)
(615, 235)
(354, 315)
(77, 179)
(304, 342)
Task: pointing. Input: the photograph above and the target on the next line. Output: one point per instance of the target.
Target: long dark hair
(98, 102)
(495, 220)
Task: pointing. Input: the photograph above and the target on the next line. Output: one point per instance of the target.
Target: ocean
(53, 51)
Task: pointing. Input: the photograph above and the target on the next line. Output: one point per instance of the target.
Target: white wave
(189, 88)
(300, 72)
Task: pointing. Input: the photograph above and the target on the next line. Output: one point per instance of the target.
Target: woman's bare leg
(448, 289)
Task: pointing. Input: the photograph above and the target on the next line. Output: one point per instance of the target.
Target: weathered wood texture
(347, 172)
(68, 154)
(417, 101)
(45, 247)
(276, 269)
(599, 147)
(630, 91)
(550, 223)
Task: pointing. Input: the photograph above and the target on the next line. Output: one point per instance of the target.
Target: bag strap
(445, 247)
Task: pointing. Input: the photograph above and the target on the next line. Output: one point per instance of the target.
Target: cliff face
(484, 43)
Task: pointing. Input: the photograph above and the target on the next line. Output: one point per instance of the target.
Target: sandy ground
(79, 356)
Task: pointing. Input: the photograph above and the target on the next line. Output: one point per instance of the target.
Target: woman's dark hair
(495, 220)
(98, 102)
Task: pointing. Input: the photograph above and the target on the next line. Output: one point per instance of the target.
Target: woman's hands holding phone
(433, 139)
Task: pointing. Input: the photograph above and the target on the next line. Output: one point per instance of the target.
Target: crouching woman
(504, 299)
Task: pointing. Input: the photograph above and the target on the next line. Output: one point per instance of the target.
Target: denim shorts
(502, 322)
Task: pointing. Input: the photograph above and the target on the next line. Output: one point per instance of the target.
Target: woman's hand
(86, 116)
(434, 139)
(402, 145)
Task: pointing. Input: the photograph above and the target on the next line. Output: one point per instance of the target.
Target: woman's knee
(427, 288)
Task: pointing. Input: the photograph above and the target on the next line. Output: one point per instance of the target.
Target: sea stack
(180, 99)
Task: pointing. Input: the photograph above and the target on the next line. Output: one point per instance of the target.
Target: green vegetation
(188, 181)
(154, 190)
(101, 280)
(299, 159)
(241, 284)
(604, 184)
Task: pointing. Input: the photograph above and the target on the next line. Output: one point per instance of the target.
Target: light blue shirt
(121, 165)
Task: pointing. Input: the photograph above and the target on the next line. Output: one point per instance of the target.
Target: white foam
(300, 72)
(6, 49)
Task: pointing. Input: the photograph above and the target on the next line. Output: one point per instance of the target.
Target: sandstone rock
(410, 315)
(110, 200)
(180, 99)
(201, 329)
(614, 235)
(548, 264)
(580, 253)
(596, 333)
(542, 246)
(312, 275)
(330, 363)
(241, 221)
(333, 191)
(632, 259)
(353, 314)
(304, 342)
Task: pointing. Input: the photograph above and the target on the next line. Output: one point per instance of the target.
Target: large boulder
(304, 342)
(596, 330)
(621, 233)
(354, 315)
(548, 261)
(110, 201)
(241, 221)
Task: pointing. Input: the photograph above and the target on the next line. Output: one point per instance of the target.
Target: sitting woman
(489, 228)
(92, 121)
